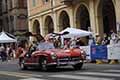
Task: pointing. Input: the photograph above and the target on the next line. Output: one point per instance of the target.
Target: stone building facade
(46, 16)
(13, 16)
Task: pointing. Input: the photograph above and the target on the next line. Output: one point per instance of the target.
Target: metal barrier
(103, 52)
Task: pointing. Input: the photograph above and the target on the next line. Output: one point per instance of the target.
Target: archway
(49, 25)
(36, 27)
(64, 20)
(107, 17)
(82, 18)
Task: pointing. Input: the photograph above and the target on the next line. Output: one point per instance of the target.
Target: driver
(45, 44)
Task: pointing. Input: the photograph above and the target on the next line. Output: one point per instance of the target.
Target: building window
(22, 3)
(33, 2)
(6, 4)
(45, 1)
(0, 7)
(11, 4)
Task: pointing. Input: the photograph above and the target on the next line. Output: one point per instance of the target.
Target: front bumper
(58, 63)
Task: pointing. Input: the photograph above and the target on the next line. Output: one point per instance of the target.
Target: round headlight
(82, 51)
(83, 54)
(53, 55)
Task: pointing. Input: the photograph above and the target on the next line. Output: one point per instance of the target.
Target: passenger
(66, 44)
(73, 43)
(57, 42)
(79, 42)
(45, 44)
(41, 45)
(50, 43)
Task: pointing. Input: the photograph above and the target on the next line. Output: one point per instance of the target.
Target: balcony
(67, 2)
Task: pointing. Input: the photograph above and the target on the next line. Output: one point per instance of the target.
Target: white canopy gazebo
(4, 38)
(75, 33)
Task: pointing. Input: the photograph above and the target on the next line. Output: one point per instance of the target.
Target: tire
(22, 64)
(78, 66)
(43, 64)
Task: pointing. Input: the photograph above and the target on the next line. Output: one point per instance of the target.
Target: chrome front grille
(68, 59)
(63, 59)
(75, 58)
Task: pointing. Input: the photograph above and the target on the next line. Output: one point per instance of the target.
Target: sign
(87, 50)
(114, 51)
(98, 52)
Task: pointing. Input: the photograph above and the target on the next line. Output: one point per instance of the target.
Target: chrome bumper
(65, 63)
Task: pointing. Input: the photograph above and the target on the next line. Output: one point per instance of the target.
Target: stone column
(30, 28)
(28, 7)
(15, 22)
(92, 17)
(71, 17)
(55, 21)
(30, 25)
(117, 11)
(98, 19)
(42, 26)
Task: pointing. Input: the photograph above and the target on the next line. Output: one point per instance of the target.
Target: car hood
(65, 53)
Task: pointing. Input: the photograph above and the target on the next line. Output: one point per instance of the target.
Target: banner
(114, 51)
(87, 50)
(98, 52)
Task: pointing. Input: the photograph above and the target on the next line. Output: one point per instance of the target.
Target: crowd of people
(108, 39)
(111, 38)
(8, 51)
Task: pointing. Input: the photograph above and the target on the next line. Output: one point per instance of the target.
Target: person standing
(105, 40)
(3, 53)
(114, 38)
(98, 42)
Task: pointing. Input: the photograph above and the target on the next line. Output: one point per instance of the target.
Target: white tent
(75, 33)
(4, 38)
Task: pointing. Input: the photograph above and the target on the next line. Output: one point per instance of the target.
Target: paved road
(10, 71)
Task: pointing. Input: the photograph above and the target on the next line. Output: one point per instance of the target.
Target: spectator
(8, 51)
(22, 49)
(105, 40)
(3, 53)
(91, 40)
(114, 37)
(98, 40)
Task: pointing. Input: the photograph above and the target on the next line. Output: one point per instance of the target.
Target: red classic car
(52, 58)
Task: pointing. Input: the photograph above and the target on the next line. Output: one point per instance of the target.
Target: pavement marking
(100, 74)
(79, 77)
(112, 71)
(32, 79)
(11, 74)
(19, 74)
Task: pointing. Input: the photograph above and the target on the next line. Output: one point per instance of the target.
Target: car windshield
(45, 46)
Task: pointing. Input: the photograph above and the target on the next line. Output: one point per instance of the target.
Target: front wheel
(43, 64)
(78, 66)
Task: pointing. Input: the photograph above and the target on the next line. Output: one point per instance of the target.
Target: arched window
(22, 3)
